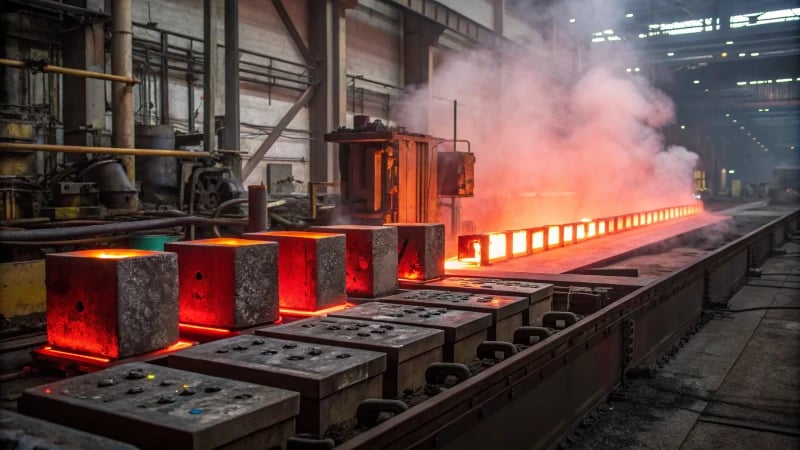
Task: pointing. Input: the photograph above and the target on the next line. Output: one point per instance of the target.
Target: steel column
(231, 75)
(122, 93)
(164, 79)
(328, 107)
(84, 100)
(209, 74)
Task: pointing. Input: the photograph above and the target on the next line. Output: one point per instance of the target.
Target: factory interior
(399, 224)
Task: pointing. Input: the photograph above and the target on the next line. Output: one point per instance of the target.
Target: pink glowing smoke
(555, 140)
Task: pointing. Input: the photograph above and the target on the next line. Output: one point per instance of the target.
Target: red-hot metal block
(311, 268)
(227, 283)
(112, 303)
(371, 258)
(420, 251)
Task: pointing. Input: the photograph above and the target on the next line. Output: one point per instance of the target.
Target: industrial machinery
(391, 175)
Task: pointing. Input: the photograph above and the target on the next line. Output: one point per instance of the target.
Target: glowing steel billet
(495, 246)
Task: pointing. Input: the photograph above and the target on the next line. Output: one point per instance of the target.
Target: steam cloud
(556, 138)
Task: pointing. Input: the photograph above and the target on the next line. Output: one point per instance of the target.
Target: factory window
(764, 18)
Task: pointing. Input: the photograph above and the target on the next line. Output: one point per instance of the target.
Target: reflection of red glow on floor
(454, 263)
(204, 330)
(180, 345)
(411, 276)
(321, 312)
(71, 355)
(48, 351)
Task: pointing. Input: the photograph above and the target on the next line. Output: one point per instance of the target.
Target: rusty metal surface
(314, 370)
(499, 306)
(18, 431)
(456, 324)
(157, 407)
(570, 372)
(420, 250)
(227, 286)
(399, 342)
(371, 253)
(112, 307)
(312, 274)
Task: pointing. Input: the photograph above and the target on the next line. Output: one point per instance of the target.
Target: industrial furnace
(390, 175)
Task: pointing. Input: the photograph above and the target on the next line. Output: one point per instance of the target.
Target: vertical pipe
(164, 79)
(231, 75)
(455, 205)
(122, 94)
(190, 88)
(257, 208)
(209, 73)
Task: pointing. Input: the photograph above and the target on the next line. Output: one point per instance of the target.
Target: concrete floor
(734, 384)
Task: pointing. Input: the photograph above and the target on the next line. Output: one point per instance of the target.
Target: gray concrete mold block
(332, 381)
(18, 431)
(464, 330)
(409, 350)
(157, 407)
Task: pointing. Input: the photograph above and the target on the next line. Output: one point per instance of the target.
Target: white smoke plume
(558, 135)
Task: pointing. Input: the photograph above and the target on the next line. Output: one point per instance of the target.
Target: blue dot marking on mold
(195, 411)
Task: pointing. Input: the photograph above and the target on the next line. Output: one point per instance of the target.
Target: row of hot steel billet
(357, 345)
(486, 248)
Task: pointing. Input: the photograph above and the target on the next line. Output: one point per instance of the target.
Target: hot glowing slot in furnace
(519, 242)
(601, 227)
(553, 236)
(580, 231)
(591, 229)
(497, 245)
(567, 234)
(537, 240)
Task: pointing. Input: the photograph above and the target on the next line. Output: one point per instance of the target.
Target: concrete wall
(260, 30)
(481, 11)
(374, 52)
(374, 31)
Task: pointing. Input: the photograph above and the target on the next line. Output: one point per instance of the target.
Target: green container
(151, 241)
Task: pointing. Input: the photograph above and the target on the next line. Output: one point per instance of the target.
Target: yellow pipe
(70, 71)
(14, 146)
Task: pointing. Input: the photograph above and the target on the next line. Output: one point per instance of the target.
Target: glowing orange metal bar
(72, 355)
(321, 312)
(205, 330)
